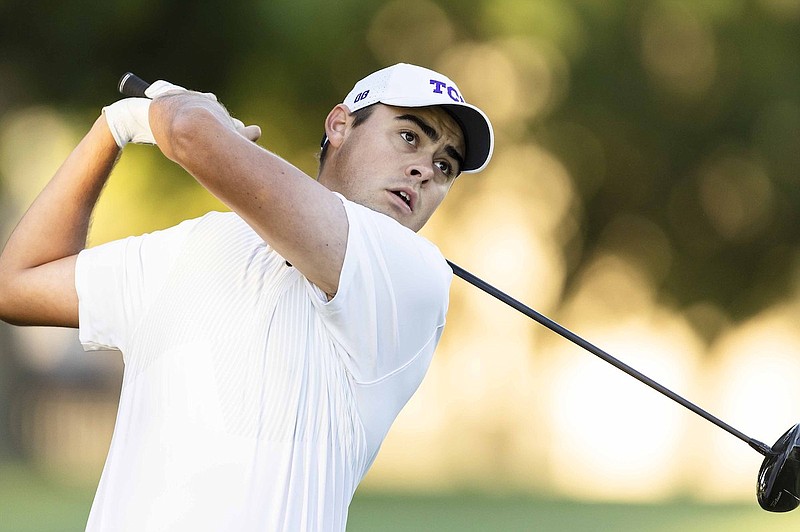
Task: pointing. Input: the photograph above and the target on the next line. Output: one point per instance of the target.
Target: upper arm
(300, 218)
(42, 295)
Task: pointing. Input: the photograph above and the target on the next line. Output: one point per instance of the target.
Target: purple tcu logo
(451, 91)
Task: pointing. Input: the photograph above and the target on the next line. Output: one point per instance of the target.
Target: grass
(521, 513)
(30, 502)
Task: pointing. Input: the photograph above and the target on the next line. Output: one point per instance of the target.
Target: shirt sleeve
(392, 297)
(117, 281)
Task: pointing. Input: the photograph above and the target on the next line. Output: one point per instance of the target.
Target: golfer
(266, 350)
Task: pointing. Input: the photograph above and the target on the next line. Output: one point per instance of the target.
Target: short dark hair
(359, 117)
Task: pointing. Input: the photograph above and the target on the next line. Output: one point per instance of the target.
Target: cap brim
(478, 135)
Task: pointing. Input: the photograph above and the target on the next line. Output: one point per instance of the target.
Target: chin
(414, 226)
(405, 222)
(409, 221)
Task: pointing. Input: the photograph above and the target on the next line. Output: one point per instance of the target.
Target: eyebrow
(426, 128)
(432, 134)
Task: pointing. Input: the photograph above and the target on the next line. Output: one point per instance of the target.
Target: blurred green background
(644, 192)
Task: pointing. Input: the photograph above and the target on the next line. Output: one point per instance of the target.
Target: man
(268, 350)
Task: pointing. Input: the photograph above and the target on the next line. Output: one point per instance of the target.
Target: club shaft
(572, 337)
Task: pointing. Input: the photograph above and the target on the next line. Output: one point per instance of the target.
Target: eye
(445, 167)
(409, 136)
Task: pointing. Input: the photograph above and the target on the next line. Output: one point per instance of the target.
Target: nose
(421, 171)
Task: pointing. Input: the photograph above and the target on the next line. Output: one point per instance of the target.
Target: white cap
(404, 85)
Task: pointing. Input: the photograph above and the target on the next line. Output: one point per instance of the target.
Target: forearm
(199, 135)
(57, 222)
(37, 263)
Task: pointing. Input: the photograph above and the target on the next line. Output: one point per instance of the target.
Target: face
(400, 162)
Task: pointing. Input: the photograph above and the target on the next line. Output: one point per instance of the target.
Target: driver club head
(778, 487)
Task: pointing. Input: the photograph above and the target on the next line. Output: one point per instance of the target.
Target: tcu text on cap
(451, 91)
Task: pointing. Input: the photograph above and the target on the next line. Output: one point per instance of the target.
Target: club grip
(132, 85)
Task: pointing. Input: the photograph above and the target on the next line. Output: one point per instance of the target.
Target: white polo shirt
(249, 401)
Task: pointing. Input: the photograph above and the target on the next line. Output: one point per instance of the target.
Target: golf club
(778, 485)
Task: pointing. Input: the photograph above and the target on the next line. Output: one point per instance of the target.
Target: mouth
(406, 197)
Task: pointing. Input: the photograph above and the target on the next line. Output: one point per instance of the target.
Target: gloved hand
(161, 87)
(128, 119)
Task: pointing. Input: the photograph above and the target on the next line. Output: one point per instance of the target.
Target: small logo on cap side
(452, 92)
(361, 96)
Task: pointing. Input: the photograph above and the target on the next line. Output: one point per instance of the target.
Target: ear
(337, 124)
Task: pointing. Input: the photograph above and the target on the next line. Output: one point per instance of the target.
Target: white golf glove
(128, 119)
(161, 87)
